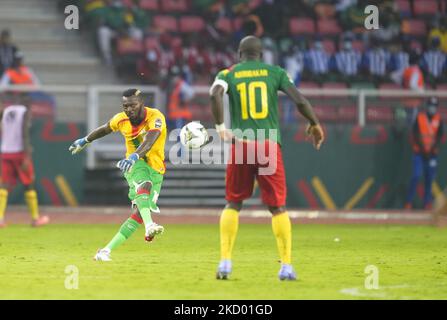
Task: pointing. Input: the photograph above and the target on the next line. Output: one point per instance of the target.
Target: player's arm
(96, 134)
(217, 91)
(142, 150)
(148, 142)
(305, 108)
(418, 138)
(438, 141)
(27, 148)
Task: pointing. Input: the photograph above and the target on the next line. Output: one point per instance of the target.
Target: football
(193, 135)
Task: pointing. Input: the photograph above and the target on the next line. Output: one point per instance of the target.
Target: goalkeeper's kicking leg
(124, 233)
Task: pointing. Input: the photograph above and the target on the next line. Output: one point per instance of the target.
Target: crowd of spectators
(315, 40)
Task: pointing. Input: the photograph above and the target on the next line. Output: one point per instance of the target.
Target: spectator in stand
(115, 21)
(293, 64)
(375, 60)
(400, 58)
(347, 61)
(434, 62)
(180, 93)
(353, 17)
(7, 51)
(389, 27)
(18, 73)
(410, 77)
(270, 52)
(426, 140)
(440, 31)
(343, 5)
(316, 61)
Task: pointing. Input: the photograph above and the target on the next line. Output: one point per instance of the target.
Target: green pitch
(181, 264)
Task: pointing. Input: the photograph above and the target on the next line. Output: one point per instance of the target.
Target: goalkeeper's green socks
(143, 203)
(126, 230)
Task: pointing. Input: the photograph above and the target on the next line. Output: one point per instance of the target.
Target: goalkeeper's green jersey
(252, 87)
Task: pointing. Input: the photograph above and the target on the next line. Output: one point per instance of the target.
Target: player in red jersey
(252, 87)
(16, 161)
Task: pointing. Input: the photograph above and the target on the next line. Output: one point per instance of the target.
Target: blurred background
(367, 87)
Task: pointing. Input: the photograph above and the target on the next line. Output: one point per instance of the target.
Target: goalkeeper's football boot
(102, 255)
(41, 221)
(152, 230)
(286, 272)
(224, 270)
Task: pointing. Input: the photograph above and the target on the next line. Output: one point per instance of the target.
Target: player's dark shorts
(12, 169)
(257, 158)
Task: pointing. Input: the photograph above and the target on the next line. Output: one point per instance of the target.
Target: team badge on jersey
(158, 123)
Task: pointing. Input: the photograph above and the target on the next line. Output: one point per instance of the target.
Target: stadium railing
(95, 104)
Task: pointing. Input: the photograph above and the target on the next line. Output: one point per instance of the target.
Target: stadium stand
(208, 28)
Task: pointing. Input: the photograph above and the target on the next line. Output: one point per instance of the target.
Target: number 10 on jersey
(250, 107)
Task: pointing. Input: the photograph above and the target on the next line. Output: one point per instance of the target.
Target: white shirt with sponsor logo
(12, 129)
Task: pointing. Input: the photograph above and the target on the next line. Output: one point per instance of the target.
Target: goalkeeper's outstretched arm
(98, 133)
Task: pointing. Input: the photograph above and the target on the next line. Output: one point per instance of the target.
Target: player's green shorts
(139, 173)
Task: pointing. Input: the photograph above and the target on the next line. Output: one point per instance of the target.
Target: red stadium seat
(414, 27)
(151, 43)
(329, 46)
(191, 24)
(326, 113)
(174, 5)
(325, 11)
(379, 114)
(224, 24)
(348, 114)
(127, 3)
(237, 23)
(129, 46)
(149, 4)
(299, 26)
(308, 85)
(390, 86)
(253, 4)
(426, 7)
(334, 85)
(167, 23)
(404, 7)
(328, 27)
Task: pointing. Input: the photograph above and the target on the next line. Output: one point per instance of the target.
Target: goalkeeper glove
(125, 164)
(78, 145)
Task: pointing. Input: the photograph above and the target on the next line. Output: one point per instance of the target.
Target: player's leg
(273, 194)
(125, 232)
(416, 175)
(144, 188)
(6, 184)
(26, 175)
(228, 226)
(238, 187)
(429, 176)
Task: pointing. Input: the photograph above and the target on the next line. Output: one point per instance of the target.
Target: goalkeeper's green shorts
(140, 173)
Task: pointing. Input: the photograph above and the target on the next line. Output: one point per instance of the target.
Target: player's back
(253, 93)
(12, 128)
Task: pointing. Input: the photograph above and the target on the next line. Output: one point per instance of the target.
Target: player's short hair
(131, 93)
